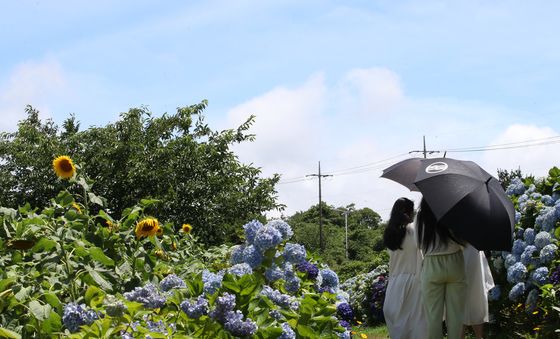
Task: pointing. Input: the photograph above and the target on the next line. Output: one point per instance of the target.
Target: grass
(378, 332)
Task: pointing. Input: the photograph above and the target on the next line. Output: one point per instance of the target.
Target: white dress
(403, 308)
(479, 282)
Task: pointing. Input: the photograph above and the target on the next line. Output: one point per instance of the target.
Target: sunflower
(187, 228)
(146, 227)
(64, 167)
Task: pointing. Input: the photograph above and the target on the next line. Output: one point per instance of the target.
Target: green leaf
(53, 300)
(100, 280)
(23, 293)
(52, 324)
(6, 333)
(40, 312)
(93, 292)
(557, 233)
(95, 199)
(306, 331)
(5, 283)
(98, 255)
(44, 244)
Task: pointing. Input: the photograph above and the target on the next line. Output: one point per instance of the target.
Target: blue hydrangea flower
(518, 247)
(344, 335)
(547, 200)
(548, 253)
(287, 332)
(252, 256)
(251, 229)
(240, 269)
(557, 208)
(273, 273)
(516, 273)
(536, 196)
(329, 279)
(294, 253)
(158, 326)
(542, 239)
(235, 325)
(529, 236)
(345, 324)
(275, 314)
(345, 312)
(147, 295)
(516, 187)
(292, 284)
(528, 257)
(517, 217)
(195, 310)
(555, 276)
(223, 305)
(170, 282)
(277, 297)
(495, 293)
(237, 254)
(511, 259)
(540, 276)
(75, 315)
(531, 302)
(546, 220)
(114, 307)
(522, 201)
(212, 282)
(267, 237)
(283, 228)
(517, 291)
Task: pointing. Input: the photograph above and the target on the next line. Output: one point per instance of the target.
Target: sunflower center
(147, 228)
(65, 165)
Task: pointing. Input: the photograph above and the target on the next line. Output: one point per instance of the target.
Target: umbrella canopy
(463, 196)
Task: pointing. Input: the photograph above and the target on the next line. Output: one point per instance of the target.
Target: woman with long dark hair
(443, 275)
(402, 308)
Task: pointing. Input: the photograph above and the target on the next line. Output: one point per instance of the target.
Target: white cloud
(535, 160)
(30, 83)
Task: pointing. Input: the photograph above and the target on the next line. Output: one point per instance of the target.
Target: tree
(177, 159)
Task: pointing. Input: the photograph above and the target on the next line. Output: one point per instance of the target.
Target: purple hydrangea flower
(170, 282)
(275, 314)
(282, 300)
(516, 273)
(292, 284)
(344, 335)
(517, 291)
(345, 312)
(147, 295)
(251, 229)
(195, 310)
(75, 315)
(309, 268)
(345, 324)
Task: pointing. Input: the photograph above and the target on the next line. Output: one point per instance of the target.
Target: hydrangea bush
(525, 299)
(367, 293)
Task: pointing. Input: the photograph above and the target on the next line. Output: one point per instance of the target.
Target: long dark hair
(401, 215)
(428, 227)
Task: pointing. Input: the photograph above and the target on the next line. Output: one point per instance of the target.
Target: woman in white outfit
(403, 310)
(479, 282)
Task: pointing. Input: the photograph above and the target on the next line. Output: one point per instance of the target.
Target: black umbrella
(464, 197)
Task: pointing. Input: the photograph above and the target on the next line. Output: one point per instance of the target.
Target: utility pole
(346, 211)
(319, 175)
(424, 151)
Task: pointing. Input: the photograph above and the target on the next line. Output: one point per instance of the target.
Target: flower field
(75, 270)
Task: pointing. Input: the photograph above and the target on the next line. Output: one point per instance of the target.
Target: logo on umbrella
(436, 167)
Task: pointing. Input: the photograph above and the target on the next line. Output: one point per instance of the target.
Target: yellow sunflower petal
(147, 227)
(64, 167)
(187, 228)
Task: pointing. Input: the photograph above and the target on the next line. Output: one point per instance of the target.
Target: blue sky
(347, 83)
